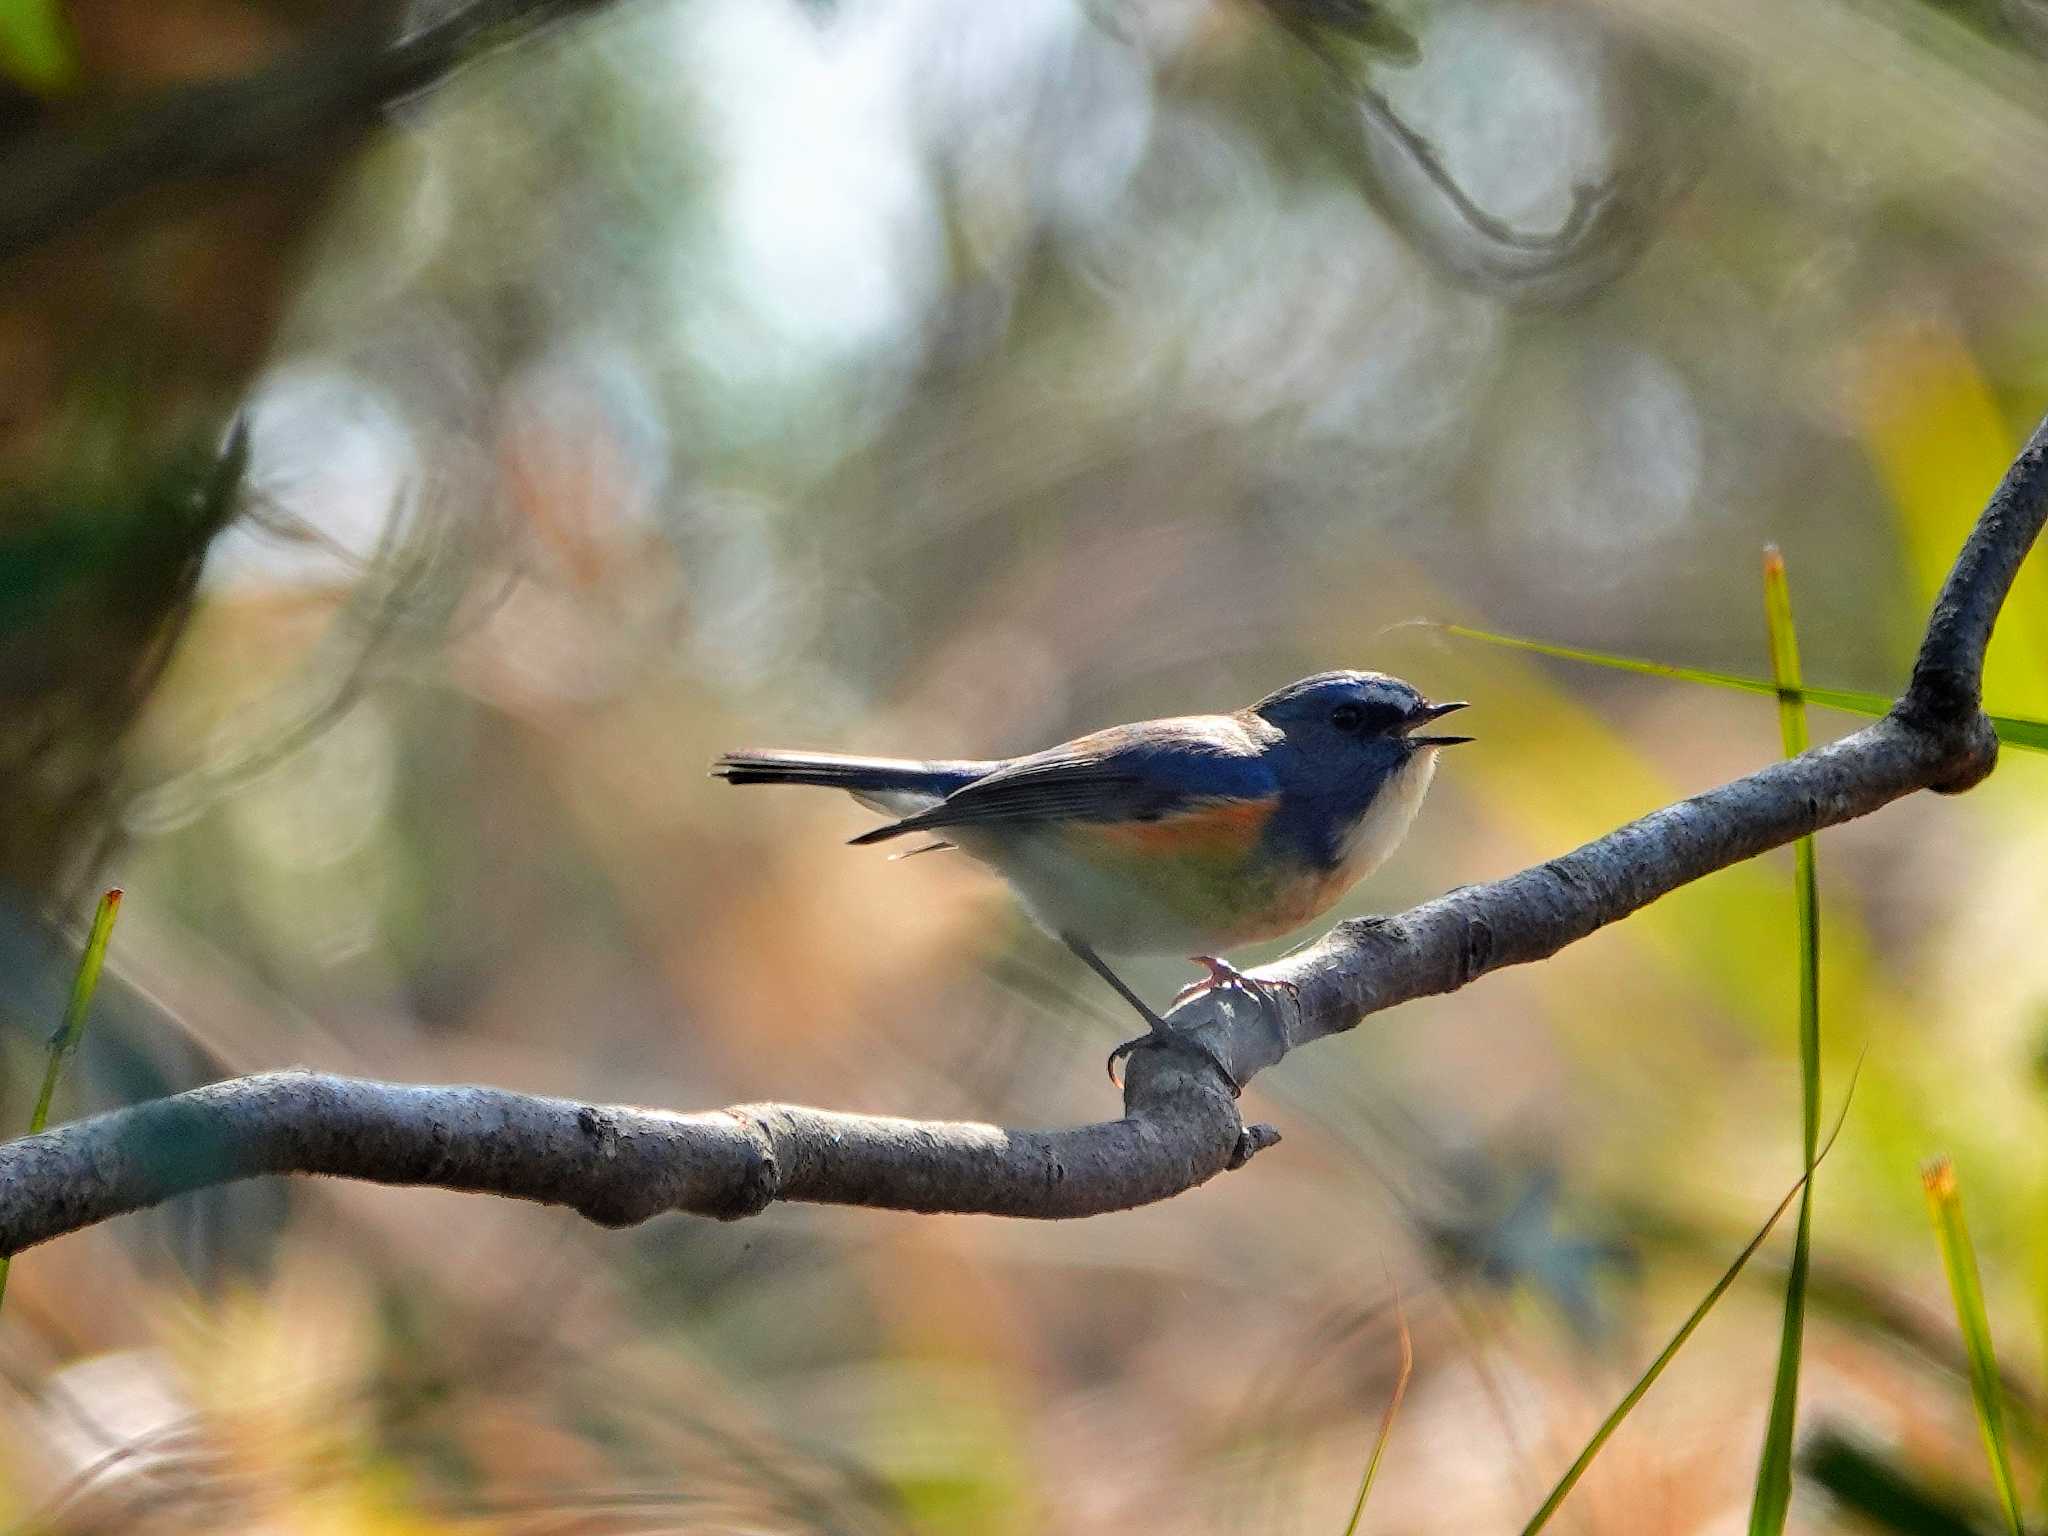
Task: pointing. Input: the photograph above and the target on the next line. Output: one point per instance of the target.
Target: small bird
(1181, 836)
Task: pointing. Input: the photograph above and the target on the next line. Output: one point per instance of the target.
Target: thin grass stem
(1773, 1499)
(68, 1034)
(1379, 1445)
(1959, 1258)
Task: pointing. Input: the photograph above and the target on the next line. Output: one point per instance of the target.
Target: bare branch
(1948, 677)
(1180, 1126)
(1604, 230)
(615, 1165)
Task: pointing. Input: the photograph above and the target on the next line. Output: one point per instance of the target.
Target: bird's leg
(1160, 1032)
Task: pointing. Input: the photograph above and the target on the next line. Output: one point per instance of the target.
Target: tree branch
(1180, 1127)
(1604, 229)
(67, 171)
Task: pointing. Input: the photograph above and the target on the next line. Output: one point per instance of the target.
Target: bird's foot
(1171, 1040)
(1225, 977)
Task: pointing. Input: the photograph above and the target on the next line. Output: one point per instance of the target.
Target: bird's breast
(1347, 847)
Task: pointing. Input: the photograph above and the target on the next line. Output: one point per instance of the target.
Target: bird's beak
(1433, 712)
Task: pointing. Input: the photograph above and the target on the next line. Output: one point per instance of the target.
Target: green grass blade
(1785, 679)
(1773, 1500)
(1379, 1445)
(2021, 731)
(65, 1041)
(2014, 730)
(83, 985)
(1959, 1258)
(1686, 1329)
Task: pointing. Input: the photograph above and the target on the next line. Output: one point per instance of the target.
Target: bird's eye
(1376, 718)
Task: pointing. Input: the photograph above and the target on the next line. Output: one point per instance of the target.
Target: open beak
(1423, 717)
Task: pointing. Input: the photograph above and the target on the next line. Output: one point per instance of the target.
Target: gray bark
(1180, 1125)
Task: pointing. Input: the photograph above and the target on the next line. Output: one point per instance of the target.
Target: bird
(1190, 835)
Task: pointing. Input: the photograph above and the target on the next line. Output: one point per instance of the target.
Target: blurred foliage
(925, 376)
(97, 570)
(35, 48)
(1669, 1352)
(1887, 1497)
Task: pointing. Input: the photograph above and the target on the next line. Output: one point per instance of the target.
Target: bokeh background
(936, 377)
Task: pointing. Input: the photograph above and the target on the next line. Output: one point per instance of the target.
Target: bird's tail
(898, 786)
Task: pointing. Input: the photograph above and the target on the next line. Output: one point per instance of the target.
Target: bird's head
(1355, 714)
(1357, 760)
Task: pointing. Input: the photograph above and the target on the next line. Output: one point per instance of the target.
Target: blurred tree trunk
(126, 339)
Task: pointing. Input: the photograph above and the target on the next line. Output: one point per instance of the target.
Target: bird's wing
(1128, 773)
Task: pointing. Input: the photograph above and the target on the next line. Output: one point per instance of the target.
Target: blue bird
(1181, 836)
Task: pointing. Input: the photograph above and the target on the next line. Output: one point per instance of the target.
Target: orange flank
(1213, 828)
(1204, 874)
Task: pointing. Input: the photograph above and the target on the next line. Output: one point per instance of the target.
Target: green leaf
(35, 45)
(1960, 1260)
(1773, 1498)
(2014, 730)
(1686, 1329)
(65, 1041)
(1379, 1445)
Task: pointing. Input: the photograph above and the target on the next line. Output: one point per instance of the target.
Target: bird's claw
(1225, 977)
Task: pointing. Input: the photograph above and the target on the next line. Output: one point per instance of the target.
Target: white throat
(1379, 831)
